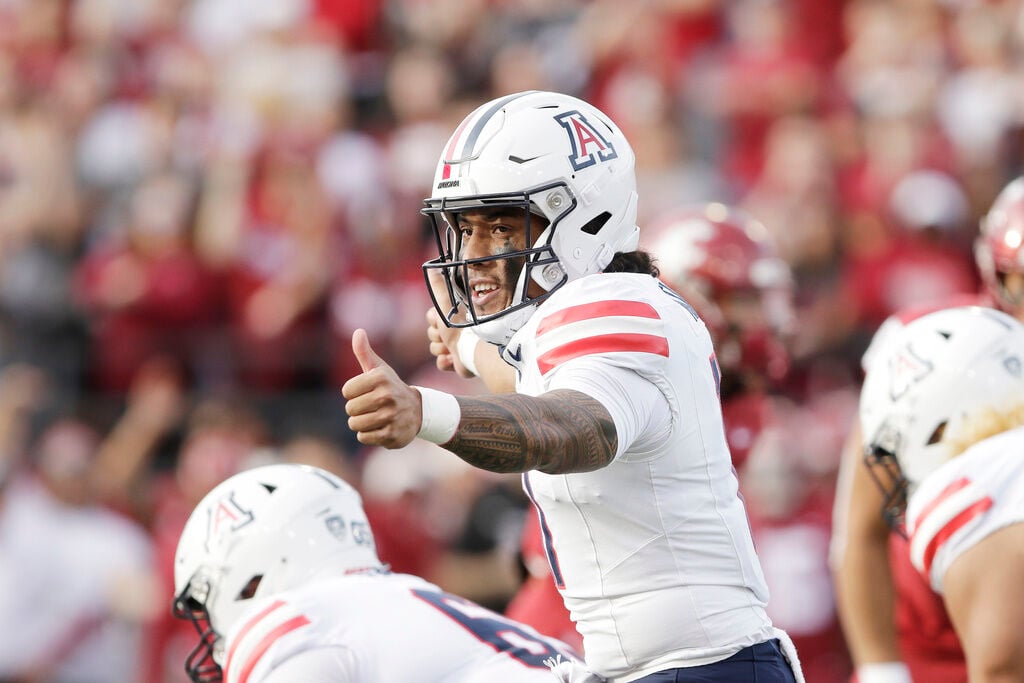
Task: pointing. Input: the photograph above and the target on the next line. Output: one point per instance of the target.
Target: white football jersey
(973, 495)
(652, 554)
(382, 628)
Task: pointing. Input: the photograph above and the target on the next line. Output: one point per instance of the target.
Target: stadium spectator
(583, 457)
(78, 580)
(145, 290)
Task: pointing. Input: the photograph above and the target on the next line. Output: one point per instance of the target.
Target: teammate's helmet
(999, 248)
(935, 377)
(724, 255)
(553, 157)
(257, 533)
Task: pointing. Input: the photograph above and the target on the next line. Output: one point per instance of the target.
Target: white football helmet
(550, 155)
(930, 380)
(257, 533)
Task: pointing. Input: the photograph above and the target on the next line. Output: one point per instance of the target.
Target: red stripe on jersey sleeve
(268, 640)
(605, 343)
(951, 527)
(953, 487)
(250, 625)
(598, 309)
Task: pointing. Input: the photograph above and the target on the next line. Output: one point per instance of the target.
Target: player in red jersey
(896, 626)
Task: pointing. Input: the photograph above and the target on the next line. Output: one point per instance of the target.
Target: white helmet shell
(933, 377)
(556, 156)
(266, 530)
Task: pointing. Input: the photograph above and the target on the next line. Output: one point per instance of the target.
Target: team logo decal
(226, 516)
(1012, 365)
(336, 526)
(588, 145)
(905, 370)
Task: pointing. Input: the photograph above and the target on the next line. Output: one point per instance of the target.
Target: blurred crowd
(200, 200)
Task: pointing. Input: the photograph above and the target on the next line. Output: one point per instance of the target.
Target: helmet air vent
(937, 433)
(250, 588)
(594, 225)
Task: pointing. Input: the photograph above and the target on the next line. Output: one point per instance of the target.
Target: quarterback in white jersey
(942, 413)
(615, 422)
(664, 516)
(277, 569)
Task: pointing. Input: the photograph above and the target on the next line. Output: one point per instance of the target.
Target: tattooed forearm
(559, 432)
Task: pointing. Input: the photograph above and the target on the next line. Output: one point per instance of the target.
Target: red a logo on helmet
(906, 369)
(589, 146)
(226, 516)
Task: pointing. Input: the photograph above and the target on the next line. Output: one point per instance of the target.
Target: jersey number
(493, 629)
(715, 370)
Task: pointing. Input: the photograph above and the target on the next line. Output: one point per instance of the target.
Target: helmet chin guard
(554, 157)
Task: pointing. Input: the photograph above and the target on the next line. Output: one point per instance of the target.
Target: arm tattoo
(562, 431)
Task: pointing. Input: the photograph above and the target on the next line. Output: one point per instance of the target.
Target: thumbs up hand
(383, 410)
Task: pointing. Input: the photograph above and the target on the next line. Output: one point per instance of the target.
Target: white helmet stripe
(474, 132)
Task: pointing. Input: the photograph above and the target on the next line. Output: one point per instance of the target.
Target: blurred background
(200, 200)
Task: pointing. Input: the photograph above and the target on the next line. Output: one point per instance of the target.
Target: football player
(897, 628)
(942, 415)
(277, 569)
(615, 420)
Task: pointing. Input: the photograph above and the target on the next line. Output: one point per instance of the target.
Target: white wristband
(466, 349)
(441, 415)
(883, 672)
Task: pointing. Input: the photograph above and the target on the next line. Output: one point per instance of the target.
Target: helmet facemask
(534, 262)
(203, 662)
(880, 456)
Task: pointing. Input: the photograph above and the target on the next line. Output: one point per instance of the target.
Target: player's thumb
(367, 357)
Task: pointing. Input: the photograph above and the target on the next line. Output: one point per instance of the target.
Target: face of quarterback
(490, 234)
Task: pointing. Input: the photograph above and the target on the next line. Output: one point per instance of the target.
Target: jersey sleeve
(627, 332)
(945, 521)
(320, 665)
(638, 408)
(264, 639)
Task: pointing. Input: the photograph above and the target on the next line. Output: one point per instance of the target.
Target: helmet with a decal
(925, 391)
(721, 254)
(257, 533)
(999, 249)
(566, 167)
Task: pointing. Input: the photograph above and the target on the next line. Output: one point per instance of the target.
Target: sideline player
(615, 422)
